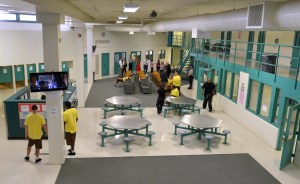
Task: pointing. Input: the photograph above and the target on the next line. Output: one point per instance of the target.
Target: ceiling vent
(261, 16)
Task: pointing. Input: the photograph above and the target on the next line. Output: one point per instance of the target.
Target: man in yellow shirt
(177, 81)
(70, 121)
(175, 92)
(33, 132)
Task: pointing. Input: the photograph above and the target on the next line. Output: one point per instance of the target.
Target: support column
(79, 65)
(54, 100)
(89, 51)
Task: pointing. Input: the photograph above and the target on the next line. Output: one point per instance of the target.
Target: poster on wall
(25, 109)
(243, 89)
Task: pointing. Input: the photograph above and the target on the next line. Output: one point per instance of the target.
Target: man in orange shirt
(33, 132)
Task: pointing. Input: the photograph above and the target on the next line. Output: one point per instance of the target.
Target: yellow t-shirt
(125, 78)
(175, 92)
(176, 80)
(34, 122)
(70, 116)
(170, 81)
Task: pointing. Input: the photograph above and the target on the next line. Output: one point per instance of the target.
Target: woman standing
(158, 66)
(191, 76)
(138, 65)
(151, 65)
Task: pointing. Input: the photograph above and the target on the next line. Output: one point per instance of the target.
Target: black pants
(145, 68)
(191, 78)
(130, 66)
(207, 99)
(159, 104)
(151, 69)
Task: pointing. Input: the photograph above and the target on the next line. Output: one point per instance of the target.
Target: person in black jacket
(161, 98)
(164, 77)
(168, 68)
(208, 89)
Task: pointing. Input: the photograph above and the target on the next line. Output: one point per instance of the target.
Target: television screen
(48, 81)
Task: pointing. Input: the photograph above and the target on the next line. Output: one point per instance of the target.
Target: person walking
(177, 81)
(130, 63)
(33, 132)
(70, 120)
(161, 98)
(168, 68)
(124, 67)
(146, 63)
(208, 88)
(151, 65)
(191, 76)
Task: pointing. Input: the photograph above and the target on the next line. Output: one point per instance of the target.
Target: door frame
(288, 151)
(102, 68)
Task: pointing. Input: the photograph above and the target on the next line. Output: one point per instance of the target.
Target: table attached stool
(208, 137)
(127, 140)
(226, 132)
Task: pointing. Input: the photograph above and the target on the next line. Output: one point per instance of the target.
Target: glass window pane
(265, 101)
(277, 100)
(253, 95)
(27, 17)
(8, 16)
(228, 82)
(235, 87)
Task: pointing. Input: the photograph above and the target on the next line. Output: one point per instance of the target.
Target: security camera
(153, 14)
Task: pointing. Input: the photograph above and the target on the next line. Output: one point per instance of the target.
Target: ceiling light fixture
(131, 32)
(123, 17)
(119, 21)
(130, 8)
(3, 11)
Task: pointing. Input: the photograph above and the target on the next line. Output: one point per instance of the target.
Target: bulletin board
(25, 109)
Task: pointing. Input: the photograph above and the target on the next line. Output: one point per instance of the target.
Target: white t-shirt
(120, 63)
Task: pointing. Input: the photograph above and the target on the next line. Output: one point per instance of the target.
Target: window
(27, 17)
(228, 84)
(265, 101)
(277, 101)
(149, 54)
(253, 95)
(8, 16)
(235, 87)
(161, 54)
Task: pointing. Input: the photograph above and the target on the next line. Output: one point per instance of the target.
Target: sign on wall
(243, 89)
(25, 109)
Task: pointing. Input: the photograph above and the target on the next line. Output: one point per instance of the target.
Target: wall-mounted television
(48, 81)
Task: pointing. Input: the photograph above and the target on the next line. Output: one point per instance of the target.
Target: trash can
(268, 62)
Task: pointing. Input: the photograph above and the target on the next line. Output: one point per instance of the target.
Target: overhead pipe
(286, 17)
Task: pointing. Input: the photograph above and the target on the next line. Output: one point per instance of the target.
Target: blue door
(105, 64)
(85, 65)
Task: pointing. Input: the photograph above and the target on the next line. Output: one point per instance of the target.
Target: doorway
(204, 72)
(105, 64)
(291, 130)
(135, 56)
(117, 57)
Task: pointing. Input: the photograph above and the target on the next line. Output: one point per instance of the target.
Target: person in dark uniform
(208, 89)
(168, 68)
(164, 77)
(161, 98)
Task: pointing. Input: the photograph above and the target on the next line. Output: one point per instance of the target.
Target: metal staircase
(185, 62)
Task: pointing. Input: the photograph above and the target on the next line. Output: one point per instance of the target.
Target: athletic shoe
(38, 160)
(72, 153)
(26, 158)
(70, 150)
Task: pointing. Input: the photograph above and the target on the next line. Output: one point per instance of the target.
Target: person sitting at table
(122, 79)
(170, 84)
(175, 92)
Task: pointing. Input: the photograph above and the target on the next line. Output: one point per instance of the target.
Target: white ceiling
(107, 11)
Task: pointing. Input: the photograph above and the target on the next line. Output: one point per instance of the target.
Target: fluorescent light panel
(119, 21)
(131, 32)
(122, 17)
(130, 8)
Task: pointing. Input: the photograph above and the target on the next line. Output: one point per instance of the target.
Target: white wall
(256, 125)
(123, 42)
(22, 43)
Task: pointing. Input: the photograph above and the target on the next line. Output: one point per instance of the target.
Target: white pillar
(78, 64)
(89, 51)
(54, 100)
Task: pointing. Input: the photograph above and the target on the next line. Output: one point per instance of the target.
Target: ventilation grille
(102, 41)
(255, 16)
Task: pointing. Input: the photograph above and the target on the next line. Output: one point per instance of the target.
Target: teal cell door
(41, 67)
(19, 73)
(85, 65)
(290, 138)
(6, 74)
(117, 57)
(31, 68)
(65, 66)
(105, 64)
(135, 56)
(203, 74)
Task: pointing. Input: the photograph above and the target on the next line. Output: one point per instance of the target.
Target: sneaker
(70, 150)
(38, 160)
(72, 153)
(26, 158)
(115, 85)
(210, 110)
